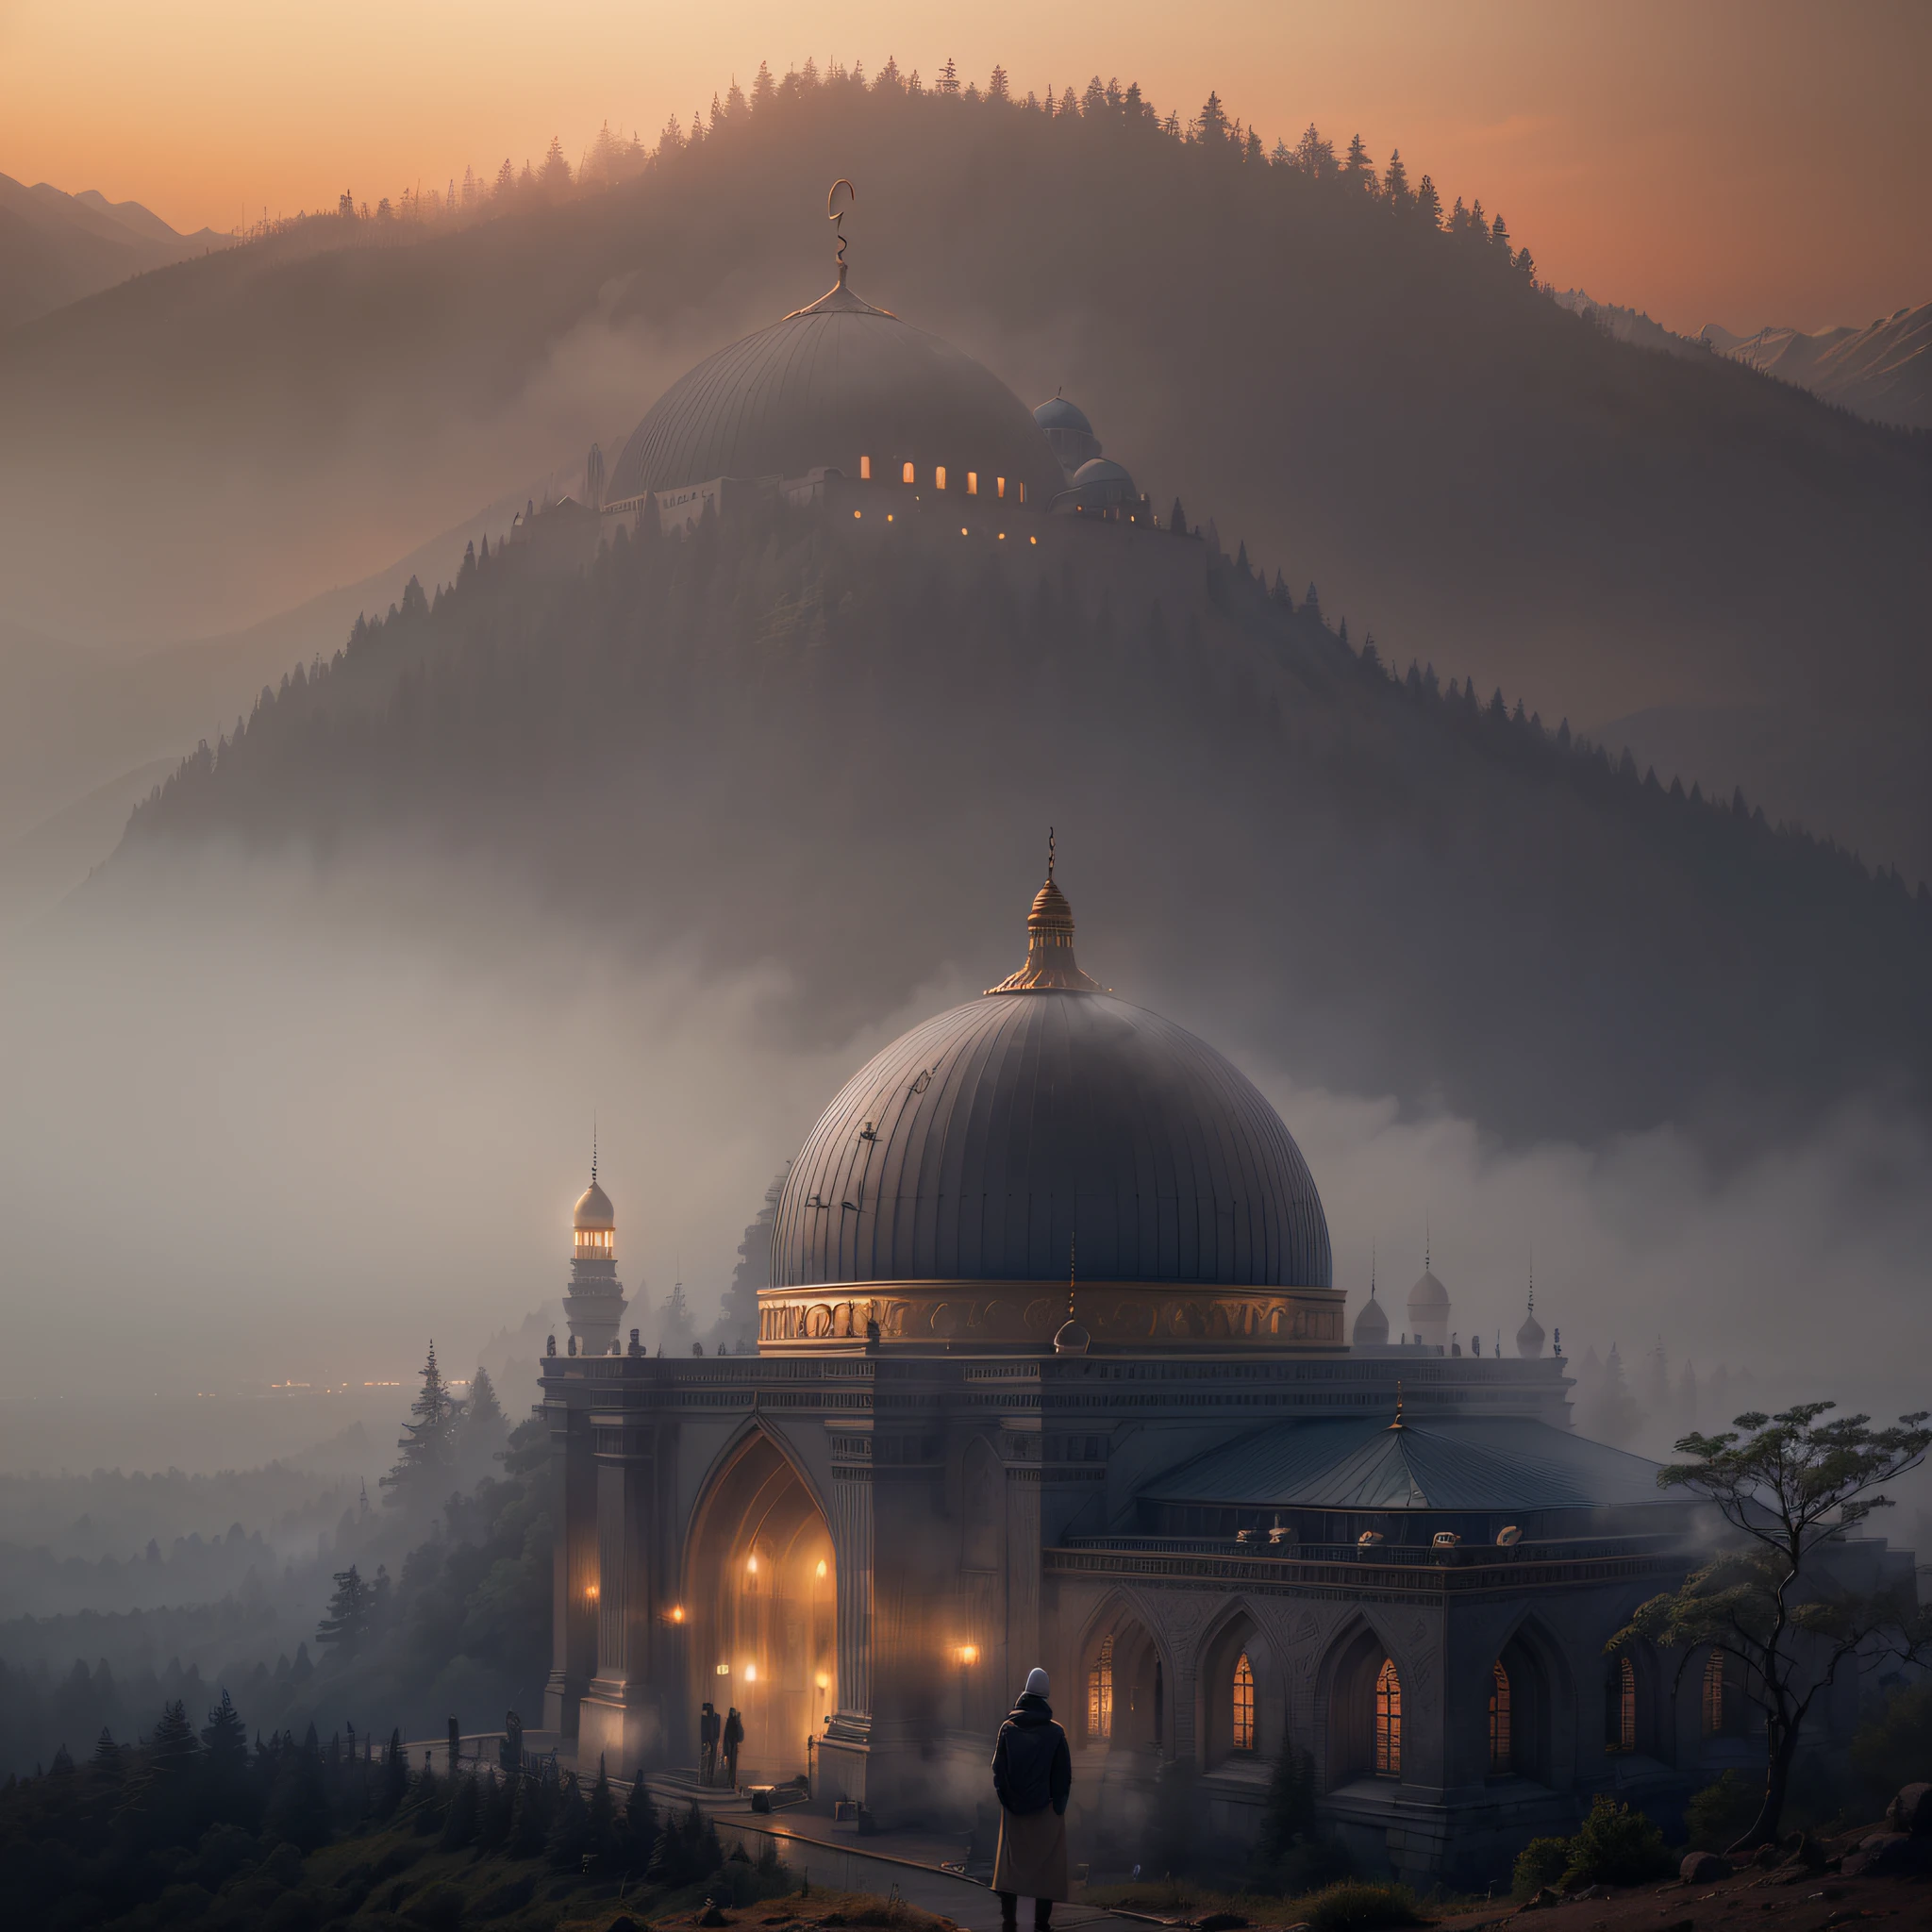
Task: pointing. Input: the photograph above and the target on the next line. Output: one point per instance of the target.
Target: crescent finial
(838, 221)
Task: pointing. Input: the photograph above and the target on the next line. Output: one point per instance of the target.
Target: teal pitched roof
(1454, 1463)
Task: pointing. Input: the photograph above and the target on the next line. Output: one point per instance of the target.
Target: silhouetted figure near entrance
(734, 1737)
(708, 1746)
(1032, 1777)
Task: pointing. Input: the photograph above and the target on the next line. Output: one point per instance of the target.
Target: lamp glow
(678, 1613)
(821, 1572)
(753, 1566)
(969, 1652)
(751, 1674)
(723, 1670)
(824, 1682)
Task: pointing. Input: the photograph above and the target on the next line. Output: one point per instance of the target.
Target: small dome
(1372, 1325)
(1099, 483)
(1071, 1338)
(1060, 414)
(1529, 1338)
(593, 1213)
(1428, 1296)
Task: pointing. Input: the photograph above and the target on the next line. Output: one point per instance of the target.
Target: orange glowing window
(906, 476)
(971, 482)
(1388, 1720)
(999, 486)
(1022, 492)
(1100, 1693)
(1500, 1742)
(1243, 1712)
(939, 476)
(865, 468)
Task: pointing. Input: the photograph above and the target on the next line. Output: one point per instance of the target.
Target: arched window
(1388, 1720)
(1243, 1730)
(906, 476)
(939, 476)
(1502, 1745)
(1713, 1699)
(865, 468)
(1620, 1705)
(1100, 1693)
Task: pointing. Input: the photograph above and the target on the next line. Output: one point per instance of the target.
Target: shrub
(1718, 1814)
(1893, 1746)
(1542, 1861)
(1616, 1845)
(1356, 1906)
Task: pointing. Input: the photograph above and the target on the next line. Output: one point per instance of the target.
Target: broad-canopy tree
(1788, 1485)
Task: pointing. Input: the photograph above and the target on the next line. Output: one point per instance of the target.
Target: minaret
(594, 1302)
(1529, 1338)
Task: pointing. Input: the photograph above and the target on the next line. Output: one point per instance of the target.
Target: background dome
(1066, 427)
(979, 1144)
(1371, 1325)
(825, 386)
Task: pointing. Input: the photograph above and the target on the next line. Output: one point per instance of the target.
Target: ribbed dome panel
(1014, 1125)
(824, 387)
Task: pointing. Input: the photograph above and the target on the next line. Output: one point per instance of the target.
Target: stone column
(1023, 1567)
(574, 1566)
(844, 1751)
(621, 1715)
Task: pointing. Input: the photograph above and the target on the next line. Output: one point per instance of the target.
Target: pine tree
(1358, 170)
(225, 1763)
(602, 1838)
(764, 89)
(999, 88)
(1395, 183)
(640, 1826)
(948, 82)
(569, 1836)
(1428, 203)
(346, 1628)
(298, 1809)
(464, 1812)
(427, 1442)
(107, 1761)
(1211, 126)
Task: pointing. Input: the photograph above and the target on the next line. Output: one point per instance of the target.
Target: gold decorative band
(1001, 1315)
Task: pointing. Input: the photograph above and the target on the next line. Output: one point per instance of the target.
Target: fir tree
(640, 1826)
(427, 1442)
(1211, 126)
(569, 1836)
(1395, 183)
(531, 1818)
(298, 1809)
(225, 1760)
(602, 1838)
(1358, 170)
(999, 88)
(463, 1814)
(346, 1628)
(948, 82)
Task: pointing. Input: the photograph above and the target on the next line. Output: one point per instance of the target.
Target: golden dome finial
(1050, 965)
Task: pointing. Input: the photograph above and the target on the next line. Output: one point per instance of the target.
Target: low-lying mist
(276, 1121)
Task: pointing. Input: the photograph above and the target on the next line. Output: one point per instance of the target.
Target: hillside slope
(823, 748)
(1390, 411)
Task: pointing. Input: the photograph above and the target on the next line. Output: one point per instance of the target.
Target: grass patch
(1359, 1906)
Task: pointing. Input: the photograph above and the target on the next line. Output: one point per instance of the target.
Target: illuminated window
(1022, 492)
(1714, 1695)
(1499, 1718)
(1388, 1720)
(906, 476)
(865, 468)
(939, 476)
(1620, 1705)
(999, 486)
(1243, 1731)
(1100, 1693)
(971, 482)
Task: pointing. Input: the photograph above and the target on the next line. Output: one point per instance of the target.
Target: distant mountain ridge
(56, 248)
(1882, 371)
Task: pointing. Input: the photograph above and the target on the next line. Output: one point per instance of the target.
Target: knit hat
(1035, 1682)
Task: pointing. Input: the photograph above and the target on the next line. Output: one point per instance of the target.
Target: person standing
(1032, 1778)
(734, 1737)
(708, 1746)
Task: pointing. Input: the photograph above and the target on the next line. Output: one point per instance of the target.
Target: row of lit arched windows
(908, 472)
(595, 1242)
(1720, 1704)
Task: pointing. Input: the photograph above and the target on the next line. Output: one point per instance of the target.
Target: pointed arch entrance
(763, 1604)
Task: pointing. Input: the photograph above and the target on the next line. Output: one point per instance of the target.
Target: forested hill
(1300, 343)
(795, 743)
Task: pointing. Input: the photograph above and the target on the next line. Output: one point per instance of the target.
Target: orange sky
(1742, 164)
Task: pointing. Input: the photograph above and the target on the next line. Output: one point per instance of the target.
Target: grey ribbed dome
(979, 1145)
(830, 384)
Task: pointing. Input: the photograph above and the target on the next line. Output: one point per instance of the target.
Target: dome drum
(1008, 1317)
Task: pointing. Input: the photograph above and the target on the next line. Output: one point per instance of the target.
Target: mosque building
(1053, 1369)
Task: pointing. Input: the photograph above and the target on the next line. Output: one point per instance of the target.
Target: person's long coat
(1033, 1775)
